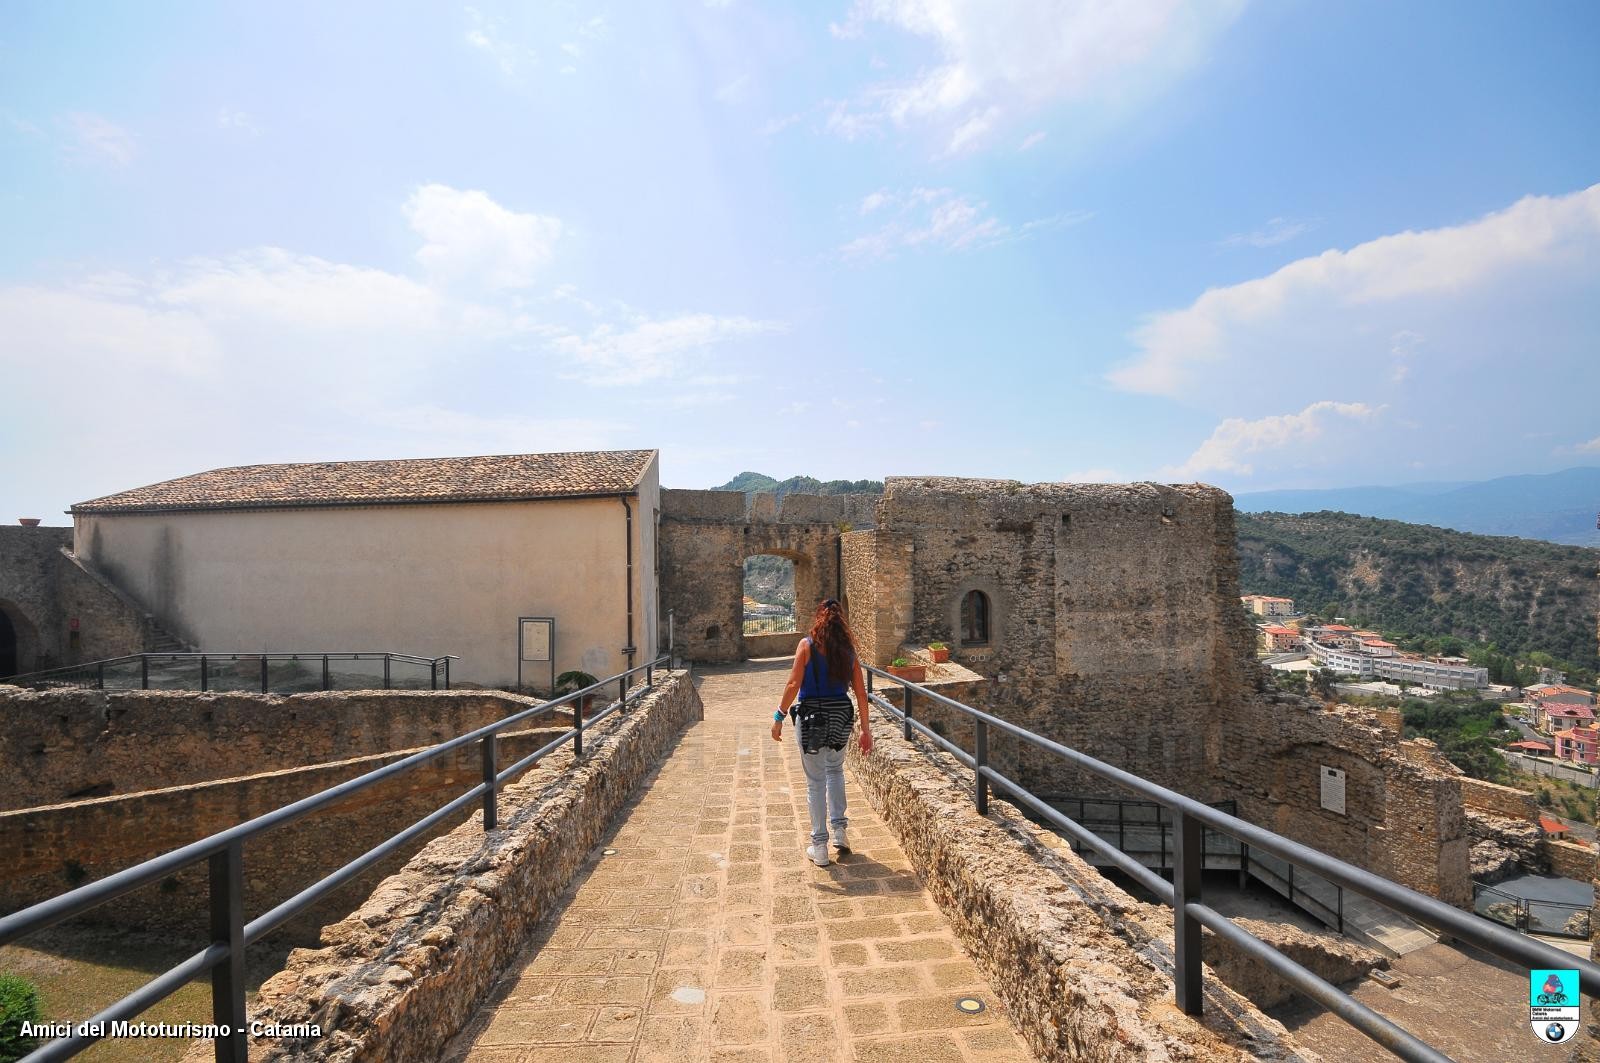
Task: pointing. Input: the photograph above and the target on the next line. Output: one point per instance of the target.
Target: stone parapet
(1084, 969)
(60, 745)
(402, 974)
(54, 848)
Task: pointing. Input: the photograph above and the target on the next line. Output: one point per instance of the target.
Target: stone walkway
(702, 933)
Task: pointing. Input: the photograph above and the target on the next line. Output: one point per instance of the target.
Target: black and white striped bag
(824, 723)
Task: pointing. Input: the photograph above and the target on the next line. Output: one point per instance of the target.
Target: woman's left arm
(863, 718)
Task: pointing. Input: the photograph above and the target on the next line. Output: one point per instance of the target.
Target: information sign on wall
(536, 639)
(1333, 789)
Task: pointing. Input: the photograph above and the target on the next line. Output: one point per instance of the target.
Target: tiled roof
(1552, 826)
(1580, 712)
(488, 478)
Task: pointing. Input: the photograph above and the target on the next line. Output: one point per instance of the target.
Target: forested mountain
(1520, 594)
(754, 482)
(1559, 507)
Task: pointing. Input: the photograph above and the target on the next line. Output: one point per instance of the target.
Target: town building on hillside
(1335, 647)
(1581, 745)
(1564, 717)
(1266, 605)
(1547, 696)
(422, 556)
(1278, 639)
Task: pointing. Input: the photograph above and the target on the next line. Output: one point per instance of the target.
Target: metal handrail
(1183, 893)
(92, 674)
(231, 935)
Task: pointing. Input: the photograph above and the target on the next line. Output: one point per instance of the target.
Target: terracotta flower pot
(940, 656)
(911, 673)
(28, 522)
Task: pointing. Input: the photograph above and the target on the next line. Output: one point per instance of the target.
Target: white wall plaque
(1333, 789)
(536, 640)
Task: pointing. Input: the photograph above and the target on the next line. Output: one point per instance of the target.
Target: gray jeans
(824, 791)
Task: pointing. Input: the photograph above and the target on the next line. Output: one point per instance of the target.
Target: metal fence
(224, 855)
(1529, 915)
(1183, 893)
(1143, 830)
(253, 673)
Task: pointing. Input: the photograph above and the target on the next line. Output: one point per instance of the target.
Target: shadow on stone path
(707, 935)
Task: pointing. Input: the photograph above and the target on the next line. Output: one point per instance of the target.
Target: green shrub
(899, 662)
(937, 646)
(19, 1003)
(567, 682)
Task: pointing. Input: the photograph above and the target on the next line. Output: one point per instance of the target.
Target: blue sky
(1256, 244)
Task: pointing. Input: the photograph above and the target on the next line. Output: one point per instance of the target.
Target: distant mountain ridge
(759, 483)
(1558, 507)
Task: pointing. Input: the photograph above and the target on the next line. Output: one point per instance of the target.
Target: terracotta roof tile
(487, 478)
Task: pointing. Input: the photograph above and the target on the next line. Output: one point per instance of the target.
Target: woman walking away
(825, 667)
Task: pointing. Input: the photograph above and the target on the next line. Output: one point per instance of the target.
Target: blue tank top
(817, 683)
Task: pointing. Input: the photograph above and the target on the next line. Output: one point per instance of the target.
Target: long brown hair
(830, 634)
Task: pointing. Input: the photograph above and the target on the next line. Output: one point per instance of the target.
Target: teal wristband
(777, 717)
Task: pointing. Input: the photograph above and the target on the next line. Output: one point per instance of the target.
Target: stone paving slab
(706, 934)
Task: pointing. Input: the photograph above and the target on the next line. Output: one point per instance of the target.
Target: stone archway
(19, 642)
(807, 593)
(705, 537)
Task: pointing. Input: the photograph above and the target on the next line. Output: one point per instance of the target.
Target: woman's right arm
(792, 689)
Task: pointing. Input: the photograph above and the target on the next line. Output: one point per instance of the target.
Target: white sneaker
(840, 842)
(818, 854)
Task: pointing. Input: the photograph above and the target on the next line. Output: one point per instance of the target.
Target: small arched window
(975, 619)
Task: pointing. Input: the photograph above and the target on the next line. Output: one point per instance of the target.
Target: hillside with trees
(1415, 582)
(758, 483)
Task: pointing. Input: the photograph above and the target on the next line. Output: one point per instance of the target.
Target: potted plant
(567, 682)
(941, 652)
(904, 669)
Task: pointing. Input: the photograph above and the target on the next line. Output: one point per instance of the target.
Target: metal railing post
(144, 671)
(1339, 896)
(386, 671)
(327, 676)
(447, 673)
(650, 674)
(433, 675)
(672, 657)
(205, 673)
(1186, 928)
(622, 691)
(100, 676)
(1291, 883)
(491, 817)
(577, 724)
(980, 761)
(263, 673)
(227, 928)
(907, 706)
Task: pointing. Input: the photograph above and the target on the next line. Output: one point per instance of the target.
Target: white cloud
(1032, 140)
(228, 118)
(1236, 442)
(1591, 447)
(1000, 61)
(1468, 334)
(99, 139)
(469, 237)
(651, 349)
(487, 33)
(1276, 231)
(1406, 279)
(1098, 475)
(938, 219)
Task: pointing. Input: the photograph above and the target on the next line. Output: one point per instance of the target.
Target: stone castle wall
(56, 847)
(1115, 629)
(61, 745)
(44, 589)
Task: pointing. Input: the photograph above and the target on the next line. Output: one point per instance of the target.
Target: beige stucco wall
(422, 579)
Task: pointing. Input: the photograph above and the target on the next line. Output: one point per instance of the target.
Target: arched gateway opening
(780, 594)
(19, 643)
